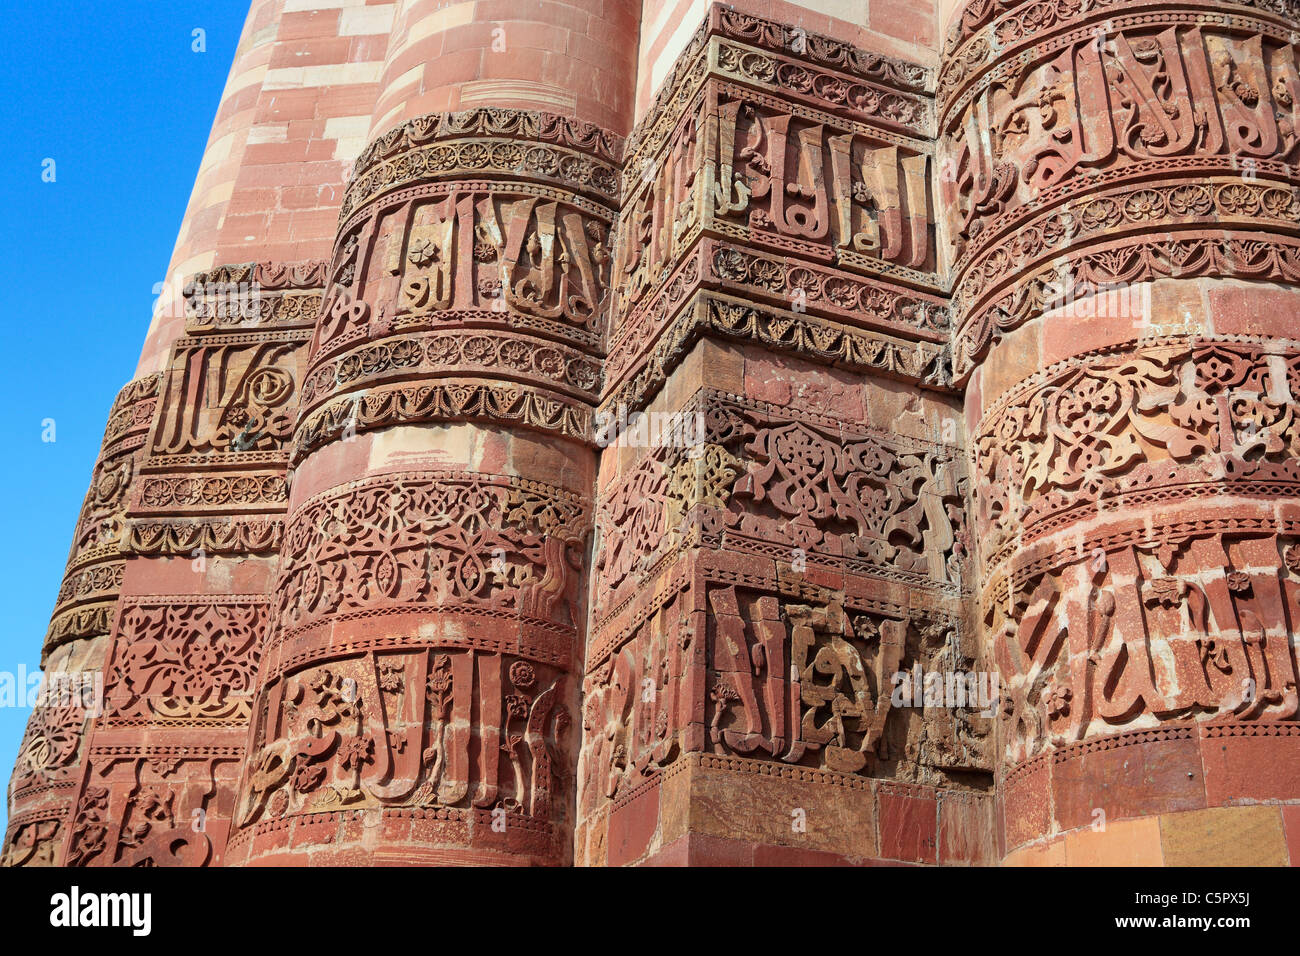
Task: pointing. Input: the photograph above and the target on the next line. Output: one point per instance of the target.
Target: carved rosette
(1114, 169)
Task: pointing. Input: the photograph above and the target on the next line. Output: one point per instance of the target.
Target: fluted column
(419, 694)
(162, 611)
(1122, 210)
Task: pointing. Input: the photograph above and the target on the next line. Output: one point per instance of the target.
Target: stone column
(1122, 211)
(418, 697)
(162, 612)
(779, 512)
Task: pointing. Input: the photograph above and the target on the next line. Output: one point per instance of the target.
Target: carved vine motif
(247, 489)
(455, 400)
(144, 812)
(185, 663)
(51, 742)
(827, 51)
(132, 411)
(1090, 430)
(487, 122)
(101, 523)
(883, 104)
(186, 536)
(254, 295)
(417, 728)
(438, 354)
(816, 287)
(775, 478)
(1108, 214)
(435, 539)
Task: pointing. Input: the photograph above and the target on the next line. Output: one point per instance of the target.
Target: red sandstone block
(575, 18)
(278, 106)
(676, 853)
(354, 99)
(716, 851)
(908, 827)
(245, 98)
(314, 51)
(905, 19)
(324, 171)
(1065, 335)
(1026, 809)
(1253, 309)
(367, 49)
(427, 50)
(269, 154)
(282, 859)
(471, 36)
(302, 197)
(538, 36)
(237, 227)
(454, 68)
(632, 826)
(511, 10)
(1254, 767)
(320, 150)
(245, 201)
(608, 34)
(515, 63)
(1133, 779)
(252, 176)
(307, 24)
(797, 856)
(966, 830)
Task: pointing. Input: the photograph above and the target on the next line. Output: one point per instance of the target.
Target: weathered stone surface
(786, 443)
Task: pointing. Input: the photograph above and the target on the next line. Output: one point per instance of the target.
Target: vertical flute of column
(1124, 218)
(418, 698)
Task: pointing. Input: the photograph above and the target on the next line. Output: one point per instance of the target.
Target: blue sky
(117, 97)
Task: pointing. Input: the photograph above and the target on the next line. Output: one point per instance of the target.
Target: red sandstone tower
(598, 432)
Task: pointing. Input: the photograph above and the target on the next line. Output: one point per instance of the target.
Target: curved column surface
(575, 58)
(419, 694)
(292, 118)
(1122, 211)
